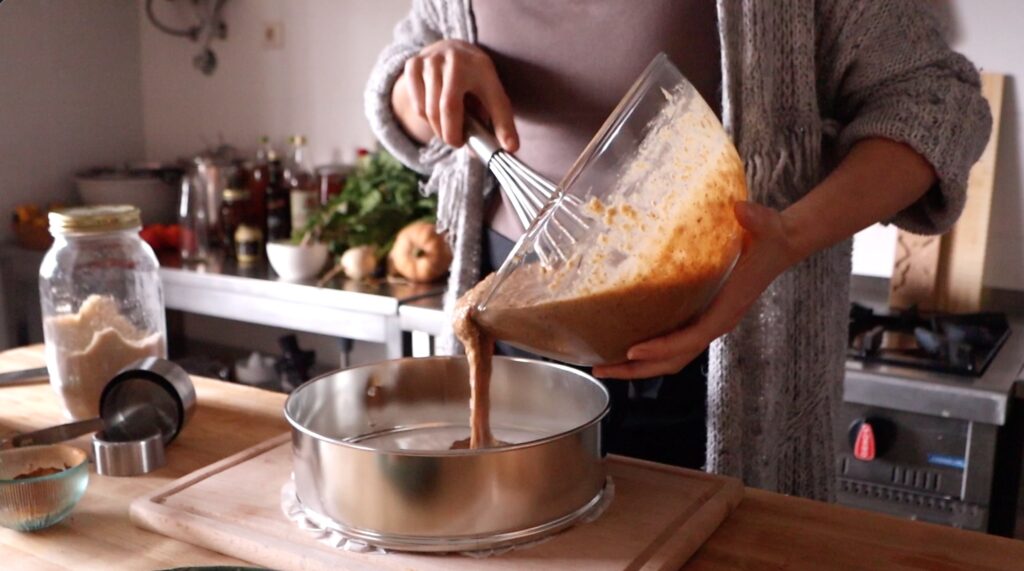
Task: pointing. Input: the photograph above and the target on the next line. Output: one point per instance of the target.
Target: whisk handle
(481, 140)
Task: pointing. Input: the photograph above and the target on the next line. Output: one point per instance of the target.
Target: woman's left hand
(767, 251)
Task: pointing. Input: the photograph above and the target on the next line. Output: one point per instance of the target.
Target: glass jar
(331, 181)
(102, 302)
(248, 242)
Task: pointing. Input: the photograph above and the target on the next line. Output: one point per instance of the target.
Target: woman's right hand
(431, 95)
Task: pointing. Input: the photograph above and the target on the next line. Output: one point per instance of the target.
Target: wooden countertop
(766, 532)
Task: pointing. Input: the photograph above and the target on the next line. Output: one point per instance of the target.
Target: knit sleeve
(890, 74)
(419, 29)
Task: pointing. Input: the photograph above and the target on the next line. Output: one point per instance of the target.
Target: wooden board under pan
(659, 517)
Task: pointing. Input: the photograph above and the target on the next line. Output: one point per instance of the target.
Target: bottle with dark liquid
(257, 182)
(279, 223)
(234, 207)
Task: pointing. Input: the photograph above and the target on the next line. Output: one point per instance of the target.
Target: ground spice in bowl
(40, 472)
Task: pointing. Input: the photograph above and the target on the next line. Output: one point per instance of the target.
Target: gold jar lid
(105, 218)
(235, 194)
(247, 233)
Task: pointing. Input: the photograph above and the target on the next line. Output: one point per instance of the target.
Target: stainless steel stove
(932, 421)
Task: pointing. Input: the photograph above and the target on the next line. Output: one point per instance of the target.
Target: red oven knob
(864, 444)
(870, 437)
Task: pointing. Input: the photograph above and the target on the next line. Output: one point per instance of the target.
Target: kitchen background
(92, 83)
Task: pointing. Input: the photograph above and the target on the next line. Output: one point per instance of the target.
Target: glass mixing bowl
(638, 241)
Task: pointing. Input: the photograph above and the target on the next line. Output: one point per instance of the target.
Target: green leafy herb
(380, 197)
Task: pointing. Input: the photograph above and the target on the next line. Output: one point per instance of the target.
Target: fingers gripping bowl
(371, 452)
(639, 240)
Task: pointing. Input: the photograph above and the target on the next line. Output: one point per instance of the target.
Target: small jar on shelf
(234, 209)
(248, 240)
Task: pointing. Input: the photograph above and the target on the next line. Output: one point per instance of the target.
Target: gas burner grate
(962, 344)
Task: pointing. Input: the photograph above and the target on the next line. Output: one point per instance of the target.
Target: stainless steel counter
(423, 318)
(364, 311)
(423, 315)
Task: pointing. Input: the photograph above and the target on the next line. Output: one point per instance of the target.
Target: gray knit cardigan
(803, 80)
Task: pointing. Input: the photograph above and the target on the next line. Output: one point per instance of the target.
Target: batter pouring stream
(479, 353)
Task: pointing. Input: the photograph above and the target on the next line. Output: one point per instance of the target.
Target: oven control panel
(902, 449)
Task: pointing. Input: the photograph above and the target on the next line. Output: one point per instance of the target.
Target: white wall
(70, 95)
(990, 34)
(313, 84)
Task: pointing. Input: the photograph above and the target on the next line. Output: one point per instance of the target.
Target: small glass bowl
(30, 504)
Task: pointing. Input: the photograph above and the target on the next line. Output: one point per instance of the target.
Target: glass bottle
(265, 152)
(233, 213)
(258, 181)
(279, 223)
(193, 218)
(213, 175)
(331, 181)
(102, 302)
(302, 189)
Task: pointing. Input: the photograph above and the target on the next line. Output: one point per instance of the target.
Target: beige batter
(479, 353)
(588, 312)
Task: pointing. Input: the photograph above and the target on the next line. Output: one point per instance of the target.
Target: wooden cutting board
(945, 273)
(659, 517)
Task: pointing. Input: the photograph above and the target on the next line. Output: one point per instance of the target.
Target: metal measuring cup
(142, 409)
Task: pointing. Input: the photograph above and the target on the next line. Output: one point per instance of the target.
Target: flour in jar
(86, 349)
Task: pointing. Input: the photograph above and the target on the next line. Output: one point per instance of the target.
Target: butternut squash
(420, 254)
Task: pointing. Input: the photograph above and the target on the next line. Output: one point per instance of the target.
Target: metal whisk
(531, 195)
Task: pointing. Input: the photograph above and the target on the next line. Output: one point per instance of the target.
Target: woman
(845, 113)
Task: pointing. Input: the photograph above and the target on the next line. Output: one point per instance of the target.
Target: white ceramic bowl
(295, 263)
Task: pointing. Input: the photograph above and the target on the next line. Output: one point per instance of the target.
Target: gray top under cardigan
(802, 81)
